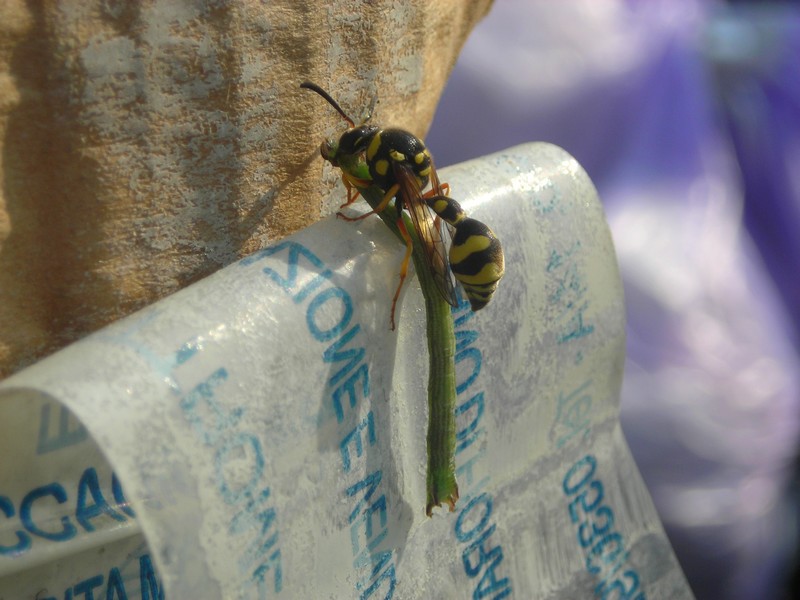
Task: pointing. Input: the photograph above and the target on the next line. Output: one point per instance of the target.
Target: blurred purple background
(686, 114)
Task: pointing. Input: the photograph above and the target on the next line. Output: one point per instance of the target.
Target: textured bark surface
(145, 145)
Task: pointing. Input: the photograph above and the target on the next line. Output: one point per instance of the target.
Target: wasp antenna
(371, 108)
(315, 88)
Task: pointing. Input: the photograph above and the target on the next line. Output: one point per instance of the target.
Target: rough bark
(144, 145)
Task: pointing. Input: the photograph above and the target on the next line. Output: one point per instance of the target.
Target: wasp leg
(437, 188)
(392, 191)
(404, 266)
(351, 184)
(442, 189)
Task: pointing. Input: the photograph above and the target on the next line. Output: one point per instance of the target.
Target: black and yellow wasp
(400, 166)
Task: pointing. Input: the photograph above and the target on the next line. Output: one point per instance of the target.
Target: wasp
(401, 167)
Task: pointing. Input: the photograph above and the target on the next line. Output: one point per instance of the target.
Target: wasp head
(329, 151)
(348, 152)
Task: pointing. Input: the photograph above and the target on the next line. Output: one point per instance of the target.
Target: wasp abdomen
(476, 256)
(476, 259)
(448, 209)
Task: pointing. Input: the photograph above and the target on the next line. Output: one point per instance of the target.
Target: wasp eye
(328, 150)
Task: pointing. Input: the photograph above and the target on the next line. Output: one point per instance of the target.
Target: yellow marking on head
(382, 167)
(420, 157)
(372, 150)
(398, 156)
(473, 244)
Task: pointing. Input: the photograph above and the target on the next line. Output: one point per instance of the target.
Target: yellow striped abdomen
(476, 258)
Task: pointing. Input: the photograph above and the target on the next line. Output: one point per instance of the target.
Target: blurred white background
(686, 114)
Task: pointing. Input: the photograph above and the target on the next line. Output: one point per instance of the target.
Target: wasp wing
(428, 227)
(440, 189)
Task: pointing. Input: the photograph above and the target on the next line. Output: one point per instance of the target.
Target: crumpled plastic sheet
(688, 120)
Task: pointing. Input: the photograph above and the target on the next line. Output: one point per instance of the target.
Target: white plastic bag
(262, 433)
